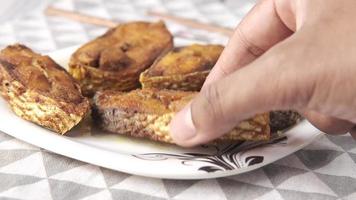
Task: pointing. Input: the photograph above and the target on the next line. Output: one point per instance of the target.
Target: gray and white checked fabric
(324, 170)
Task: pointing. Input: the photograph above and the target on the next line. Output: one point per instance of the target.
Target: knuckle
(250, 47)
(295, 90)
(223, 70)
(212, 103)
(294, 83)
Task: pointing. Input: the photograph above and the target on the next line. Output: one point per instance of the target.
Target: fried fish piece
(183, 68)
(116, 59)
(147, 113)
(39, 90)
(283, 119)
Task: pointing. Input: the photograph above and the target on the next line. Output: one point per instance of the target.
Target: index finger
(258, 31)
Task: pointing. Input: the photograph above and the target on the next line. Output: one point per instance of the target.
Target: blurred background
(24, 21)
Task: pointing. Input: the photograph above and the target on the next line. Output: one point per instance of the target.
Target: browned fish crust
(39, 90)
(282, 120)
(147, 113)
(183, 68)
(116, 59)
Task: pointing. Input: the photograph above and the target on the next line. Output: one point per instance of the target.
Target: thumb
(266, 84)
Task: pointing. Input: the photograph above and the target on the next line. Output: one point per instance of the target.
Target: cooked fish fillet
(183, 68)
(281, 120)
(147, 113)
(39, 90)
(116, 59)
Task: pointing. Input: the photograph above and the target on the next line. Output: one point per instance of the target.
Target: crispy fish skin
(147, 113)
(116, 59)
(183, 68)
(39, 90)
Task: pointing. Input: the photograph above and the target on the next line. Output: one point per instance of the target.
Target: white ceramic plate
(146, 158)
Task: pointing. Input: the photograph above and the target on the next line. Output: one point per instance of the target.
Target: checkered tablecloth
(324, 170)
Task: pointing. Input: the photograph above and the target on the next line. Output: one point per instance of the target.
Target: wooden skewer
(109, 23)
(193, 23)
(80, 17)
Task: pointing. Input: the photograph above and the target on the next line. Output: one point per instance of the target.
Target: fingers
(258, 31)
(207, 118)
(328, 124)
(267, 83)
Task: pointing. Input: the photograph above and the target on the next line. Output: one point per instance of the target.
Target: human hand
(285, 54)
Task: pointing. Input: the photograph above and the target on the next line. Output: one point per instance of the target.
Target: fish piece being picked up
(147, 113)
(39, 90)
(183, 68)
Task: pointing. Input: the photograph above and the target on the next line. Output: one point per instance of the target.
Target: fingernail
(182, 127)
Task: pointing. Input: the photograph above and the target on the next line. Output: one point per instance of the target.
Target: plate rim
(88, 150)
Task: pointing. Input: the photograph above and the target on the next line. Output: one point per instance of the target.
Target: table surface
(324, 170)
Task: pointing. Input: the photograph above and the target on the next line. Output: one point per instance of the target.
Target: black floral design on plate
(225, 157)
